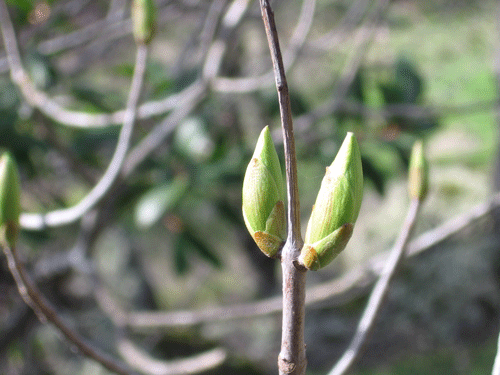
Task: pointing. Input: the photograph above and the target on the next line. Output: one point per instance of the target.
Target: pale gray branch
(292, 358)
(71, 214)
(143, 362)
(333, 38)
(362, 40)
(379, 293)
(45, 312)
(297, 41)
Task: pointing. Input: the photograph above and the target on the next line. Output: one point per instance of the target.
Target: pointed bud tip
(340, 195)
(263, 196)
(263, 142)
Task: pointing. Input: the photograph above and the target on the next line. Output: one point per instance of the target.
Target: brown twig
(292, 358)
(379, 293)
(46, 312)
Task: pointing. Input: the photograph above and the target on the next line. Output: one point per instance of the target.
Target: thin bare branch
(297, 41)
(143, 362)
(453, 226)
(45, 312)
(362, 40)
(378, 294)
(333, 38)
(217, 50)
(31, 94)
(110, 24)
(152, 320)
(292, 358)
(157, 136)
(71, 214)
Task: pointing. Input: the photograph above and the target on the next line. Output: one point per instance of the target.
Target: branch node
(285, 365)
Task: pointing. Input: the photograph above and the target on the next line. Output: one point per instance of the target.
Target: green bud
(263, 197)
(418, 180)
(143, 18)
(10, 192)
(336, 209)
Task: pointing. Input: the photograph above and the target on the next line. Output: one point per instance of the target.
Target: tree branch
(379, 293)
(45, 312)
(297, 41)
(71, 214)
(292, 358)
(362, 40)
(143, 362)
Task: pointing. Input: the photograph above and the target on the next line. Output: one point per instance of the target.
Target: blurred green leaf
(41, 70)
(186, 244)
(409, 80)
(86, 144)
(193, 140)
(181, 264)
(202, 249)
(94, 100)
(153, 204)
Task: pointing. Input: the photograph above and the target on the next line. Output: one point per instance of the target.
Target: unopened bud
(263, 197)
(10, 192)
(336, 209)
(418, 180)
(143, 18)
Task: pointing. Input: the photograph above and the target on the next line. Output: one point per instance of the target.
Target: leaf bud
(336, 209)
(418, 179)
(10, 192)
(263, 197)
(144, 19)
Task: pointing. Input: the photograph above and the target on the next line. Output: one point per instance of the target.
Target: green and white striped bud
(418, 179)
(10, 193)
(336, 209)
(264, 196)
(144, 19)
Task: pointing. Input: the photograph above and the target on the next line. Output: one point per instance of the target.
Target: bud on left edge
(264, 196)
(10, 192)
